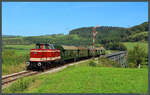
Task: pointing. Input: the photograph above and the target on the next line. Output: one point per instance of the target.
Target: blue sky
(41, 18)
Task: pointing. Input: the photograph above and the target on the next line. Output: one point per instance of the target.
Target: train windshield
(38, 46)
(49, 46)
(45, 46)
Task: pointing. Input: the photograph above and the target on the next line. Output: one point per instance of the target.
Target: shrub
(122, 47)
(136, 56)
(142, 36)
(131, 65)
(116, 46)
(21, 85)
(102, 61)
(92, 63)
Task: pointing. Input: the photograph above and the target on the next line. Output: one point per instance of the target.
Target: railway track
(12, 77)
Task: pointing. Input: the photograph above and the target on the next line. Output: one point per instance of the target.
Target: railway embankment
(85, 78)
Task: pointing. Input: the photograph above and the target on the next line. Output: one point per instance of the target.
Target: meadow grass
(130, 45)
(21, 46)
(144, 45)
(13, 62)
(111, 51)
(20, 49)
(83, 78)
(14, 58)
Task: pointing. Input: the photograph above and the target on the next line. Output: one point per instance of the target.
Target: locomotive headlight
(39, 64)
(28, 63)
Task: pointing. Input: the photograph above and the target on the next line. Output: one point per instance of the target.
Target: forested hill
(83, 36)
(104, 33)
(108, 33)
(141, 27)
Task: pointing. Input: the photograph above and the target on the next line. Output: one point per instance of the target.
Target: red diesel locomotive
(42, 55)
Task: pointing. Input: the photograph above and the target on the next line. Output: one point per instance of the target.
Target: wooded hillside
(83, 36)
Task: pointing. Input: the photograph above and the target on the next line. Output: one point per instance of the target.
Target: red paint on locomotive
(44, 53)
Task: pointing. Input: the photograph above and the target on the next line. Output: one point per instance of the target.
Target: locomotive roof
(97, 48)
(82, 48)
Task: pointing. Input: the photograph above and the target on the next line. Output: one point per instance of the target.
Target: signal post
(93, 37)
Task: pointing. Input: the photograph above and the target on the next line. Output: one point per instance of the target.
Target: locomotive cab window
(51, 46)
(38, 46)
(44, 47)
(47, 47)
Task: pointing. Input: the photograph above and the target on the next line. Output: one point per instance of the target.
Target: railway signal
(94, 35)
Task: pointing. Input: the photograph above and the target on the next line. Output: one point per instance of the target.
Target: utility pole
(94, 35)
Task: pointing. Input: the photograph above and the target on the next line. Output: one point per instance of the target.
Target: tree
(136, 55)
(115, 46)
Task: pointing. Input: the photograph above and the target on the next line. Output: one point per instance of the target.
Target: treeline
(109, 37)
(59, 39)
(138, 33)
(113, 34)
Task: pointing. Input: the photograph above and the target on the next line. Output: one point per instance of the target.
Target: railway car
(46, 55)
(98, 51)
(82, 52)
(69, 53)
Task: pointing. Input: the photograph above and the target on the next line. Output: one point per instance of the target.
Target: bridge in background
(120, 57)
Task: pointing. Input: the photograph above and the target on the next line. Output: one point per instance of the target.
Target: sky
(46, 18)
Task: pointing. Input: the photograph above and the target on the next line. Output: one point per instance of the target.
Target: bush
(116, 46)
(122, 47)
(136, 56)
(102, 61)
(20, 85)
(131, 65)
(92, 63)
(142, 36)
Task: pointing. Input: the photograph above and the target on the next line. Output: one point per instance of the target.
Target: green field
(111, 51)
(20, 49)
(83, 78)
(17, 55)
(21, 46)
(12, 61)
(130, 45)
(14, 58)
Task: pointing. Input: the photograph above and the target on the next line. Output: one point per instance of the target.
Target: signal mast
(94, 35)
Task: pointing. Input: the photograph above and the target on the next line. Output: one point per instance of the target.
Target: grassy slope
(111, 51)
(85, 79)
(14, 59)
(130, 45)
(21, 49)
(21, 46)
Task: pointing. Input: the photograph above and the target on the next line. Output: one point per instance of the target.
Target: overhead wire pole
(94, 35)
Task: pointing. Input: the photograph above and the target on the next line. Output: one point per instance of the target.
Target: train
(46, 55)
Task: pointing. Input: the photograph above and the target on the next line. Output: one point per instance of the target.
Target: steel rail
(12, 77)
